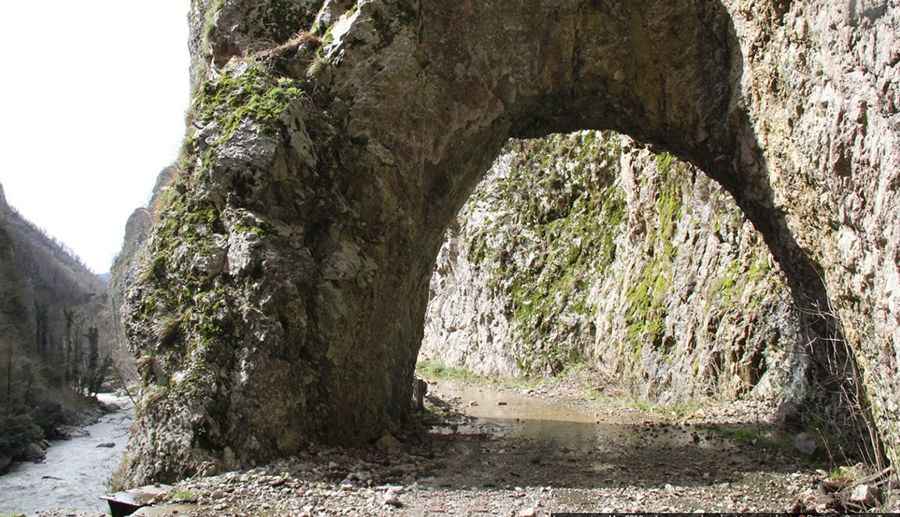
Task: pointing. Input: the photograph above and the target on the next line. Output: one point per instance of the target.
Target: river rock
(109, 407)
(388, 443)
(106, 445)
(805, 443)
(866, 495)
(68, 432)
(33, 452)
(392, 497)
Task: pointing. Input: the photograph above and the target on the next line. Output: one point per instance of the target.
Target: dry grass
(302, 39)
(841, 380)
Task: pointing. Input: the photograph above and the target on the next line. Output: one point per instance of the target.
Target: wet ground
(585, 457)
(496, 450)
(74, 474)
(491, 449)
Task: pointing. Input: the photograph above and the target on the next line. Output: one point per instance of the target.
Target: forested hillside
(56, 340)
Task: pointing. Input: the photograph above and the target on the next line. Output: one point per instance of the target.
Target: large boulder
(33, 452)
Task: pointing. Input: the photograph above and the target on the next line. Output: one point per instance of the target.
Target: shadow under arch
(667, 74)
(317, 319)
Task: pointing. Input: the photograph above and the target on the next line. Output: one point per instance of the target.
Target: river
(75, 472)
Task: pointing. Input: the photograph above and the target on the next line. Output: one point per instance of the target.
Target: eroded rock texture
(137, 231)
(283, 295)
(587, 249)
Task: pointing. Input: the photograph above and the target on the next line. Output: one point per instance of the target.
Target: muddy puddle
(508, 438)
(513, 415)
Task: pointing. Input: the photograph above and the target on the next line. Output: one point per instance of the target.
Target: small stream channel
(75, 472)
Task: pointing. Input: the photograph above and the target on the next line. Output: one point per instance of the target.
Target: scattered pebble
(472, 466)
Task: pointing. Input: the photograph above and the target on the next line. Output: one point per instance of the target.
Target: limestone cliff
(588, 249)
(137, 230)
(321, 170)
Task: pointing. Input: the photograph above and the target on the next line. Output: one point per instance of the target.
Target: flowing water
(75, 472)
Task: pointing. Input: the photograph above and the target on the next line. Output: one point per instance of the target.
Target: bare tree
(10, 363)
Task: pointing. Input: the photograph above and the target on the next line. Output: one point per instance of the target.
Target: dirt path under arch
(488, 448)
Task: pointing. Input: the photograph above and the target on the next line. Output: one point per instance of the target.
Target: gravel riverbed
(495, 450)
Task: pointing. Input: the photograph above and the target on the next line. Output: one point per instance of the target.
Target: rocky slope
(322, 169)
(588, 249)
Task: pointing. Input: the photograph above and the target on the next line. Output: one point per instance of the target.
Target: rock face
(137, 230)
(588, 249)
(283, 294)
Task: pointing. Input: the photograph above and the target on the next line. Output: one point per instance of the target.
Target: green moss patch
(252, 94)
(570, 211)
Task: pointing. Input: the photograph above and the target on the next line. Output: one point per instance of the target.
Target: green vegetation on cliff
(570, 241)
(600, 252)
(251, 95)
(647, 294)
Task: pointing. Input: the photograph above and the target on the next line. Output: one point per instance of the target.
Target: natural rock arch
(283, 292)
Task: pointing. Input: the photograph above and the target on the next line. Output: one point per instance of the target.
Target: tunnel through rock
(282, 293)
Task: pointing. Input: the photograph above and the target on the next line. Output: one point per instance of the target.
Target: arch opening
(295, 251)
(588, 247)
(590, 251)
(510, 304)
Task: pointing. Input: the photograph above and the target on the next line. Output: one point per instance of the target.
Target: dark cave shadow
(835, 402)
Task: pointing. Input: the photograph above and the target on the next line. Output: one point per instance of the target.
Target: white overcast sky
(93, 96)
